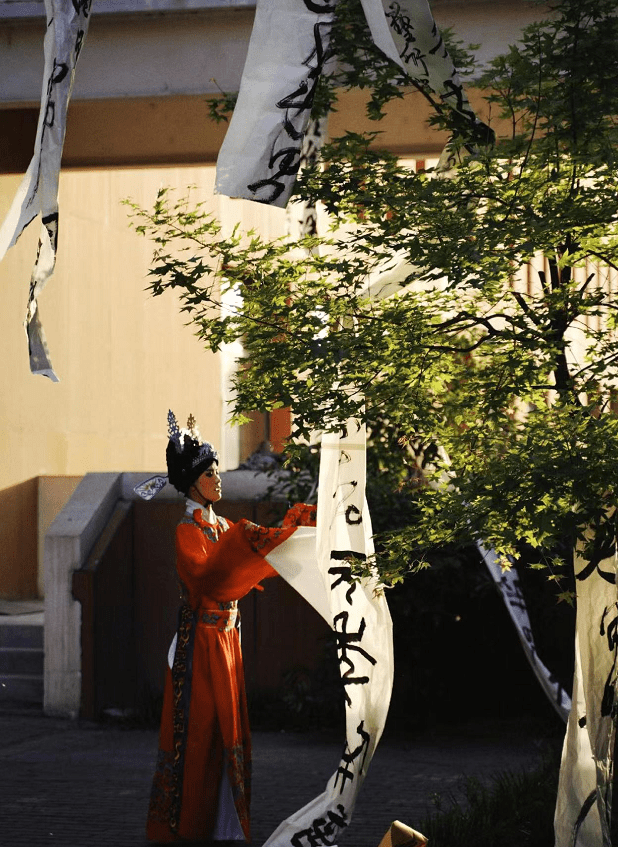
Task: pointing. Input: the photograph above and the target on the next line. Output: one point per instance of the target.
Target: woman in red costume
(201, 786)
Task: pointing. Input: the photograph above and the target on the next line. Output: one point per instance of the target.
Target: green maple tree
(509, 389)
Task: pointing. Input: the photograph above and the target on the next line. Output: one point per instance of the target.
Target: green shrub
(515, 810)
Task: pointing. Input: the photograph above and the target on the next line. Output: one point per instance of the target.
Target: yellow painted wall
(120, 355)
(123, 357)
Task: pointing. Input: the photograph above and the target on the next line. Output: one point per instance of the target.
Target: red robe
(204, 725)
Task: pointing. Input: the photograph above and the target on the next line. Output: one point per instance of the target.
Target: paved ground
(87, 785)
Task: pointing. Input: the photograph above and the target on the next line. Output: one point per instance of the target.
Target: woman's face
(208, 484)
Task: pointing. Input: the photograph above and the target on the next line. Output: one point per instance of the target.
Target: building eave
(15, 10)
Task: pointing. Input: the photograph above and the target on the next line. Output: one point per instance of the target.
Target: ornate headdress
(187, 458)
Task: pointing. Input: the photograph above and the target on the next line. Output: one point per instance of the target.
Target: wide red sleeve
(300, 514)
(230, 567)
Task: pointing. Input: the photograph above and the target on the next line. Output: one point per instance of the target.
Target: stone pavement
(87, 785)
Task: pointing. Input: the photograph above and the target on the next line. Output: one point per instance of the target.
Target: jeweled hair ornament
(173, 431)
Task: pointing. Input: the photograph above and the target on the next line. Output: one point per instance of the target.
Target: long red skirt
(204, 724)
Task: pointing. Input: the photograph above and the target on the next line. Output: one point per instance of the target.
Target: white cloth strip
(510, 589)
(583, 809)
(67, 26)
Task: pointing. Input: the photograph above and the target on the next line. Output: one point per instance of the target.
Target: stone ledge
(67, 544)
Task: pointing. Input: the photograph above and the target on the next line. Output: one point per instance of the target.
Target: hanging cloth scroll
(583, 810)
(67, 25)
(289, 46)
(358, 614)
(508, 583)
(288, 50)
(302, 217)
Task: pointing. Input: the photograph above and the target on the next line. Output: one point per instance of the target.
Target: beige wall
(119, 354)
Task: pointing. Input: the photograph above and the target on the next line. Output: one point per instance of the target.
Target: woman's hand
(300, 514)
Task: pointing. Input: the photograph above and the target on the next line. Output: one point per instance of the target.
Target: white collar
(192, 505)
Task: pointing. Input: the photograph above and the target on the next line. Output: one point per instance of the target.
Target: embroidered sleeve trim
(260, 537)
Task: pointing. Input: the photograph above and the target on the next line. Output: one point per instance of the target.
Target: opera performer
(201, 785)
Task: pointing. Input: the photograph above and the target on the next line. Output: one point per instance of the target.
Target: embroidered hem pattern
(239, 774)
(162, 787)
(181, 681)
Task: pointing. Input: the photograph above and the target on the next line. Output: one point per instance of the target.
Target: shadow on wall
(18, 541)
(27, 511)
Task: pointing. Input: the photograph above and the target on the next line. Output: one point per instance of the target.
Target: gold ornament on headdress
(193, 428)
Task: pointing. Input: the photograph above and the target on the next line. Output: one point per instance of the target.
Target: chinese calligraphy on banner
(583, 811)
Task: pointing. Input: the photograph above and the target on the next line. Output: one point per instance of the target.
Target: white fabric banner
(508, 583)
(67, 25)
(289, 47)
(406, 32)
(302, 217)
(583, 809)
(359, 616)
